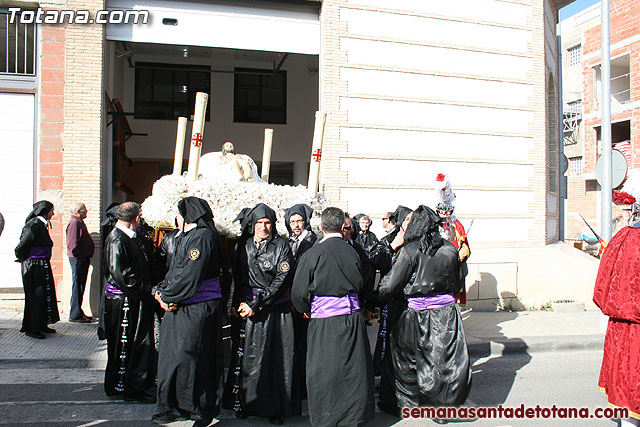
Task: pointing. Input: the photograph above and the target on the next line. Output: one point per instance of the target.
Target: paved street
(58, 381)
(34, 394)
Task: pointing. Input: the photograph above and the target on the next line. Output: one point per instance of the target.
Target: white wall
(435, 87)
(16, 177)
(291, 142)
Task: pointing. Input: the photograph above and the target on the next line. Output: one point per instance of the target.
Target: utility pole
(605, 129)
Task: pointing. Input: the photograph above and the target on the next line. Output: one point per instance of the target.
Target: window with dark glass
(168, 91)
(260, 96)
(17, 47)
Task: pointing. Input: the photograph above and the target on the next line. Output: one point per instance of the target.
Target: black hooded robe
(128, 318)
(190, 358)
(260, 380)
(382, 257)
(340, 382)
(34, 252)
(427, 354)
(300, 322)
(111, 218)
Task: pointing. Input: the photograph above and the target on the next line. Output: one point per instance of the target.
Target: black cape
(340, 383)
(163, 255)
(128, 318)
(40, 302)
(190, 359)
(433, 370)
(366, 239)
(299, 246)
(260, 380)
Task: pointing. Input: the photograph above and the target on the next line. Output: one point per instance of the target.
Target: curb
(501, 346)
(477, 348)
(69, 363)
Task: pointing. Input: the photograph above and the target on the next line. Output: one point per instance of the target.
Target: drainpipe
(561, 158)
(606, 124)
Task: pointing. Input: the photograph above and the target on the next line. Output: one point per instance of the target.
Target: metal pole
(560, 129)
(605, 134)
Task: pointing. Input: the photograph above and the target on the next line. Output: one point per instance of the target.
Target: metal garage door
(16, 177)
(268, 26)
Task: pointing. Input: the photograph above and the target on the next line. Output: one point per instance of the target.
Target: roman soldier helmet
(446, 198)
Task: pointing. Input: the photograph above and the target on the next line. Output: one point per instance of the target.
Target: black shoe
(36, 335)
(241, 415)
(202, 422)
(276, 420)
(389, 409)
(166, 418)
(139, 397)
(49, 330)
(80, 320)
(184, 415)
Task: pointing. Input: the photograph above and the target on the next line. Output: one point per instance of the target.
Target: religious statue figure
(229, 166)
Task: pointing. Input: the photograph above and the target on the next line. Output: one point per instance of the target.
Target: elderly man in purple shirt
(80, 249)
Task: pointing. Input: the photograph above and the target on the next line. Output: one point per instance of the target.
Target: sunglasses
(346, 228)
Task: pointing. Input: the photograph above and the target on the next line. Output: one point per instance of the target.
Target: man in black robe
(160, 263)
(34, 252)
(260, 380)
(427, 351)
(163, 255)
(128, 312)
(301, 239)
(349, 232)
(339, 367)
(190, 359)
(106, 226)
(366, 238)
(382, 256)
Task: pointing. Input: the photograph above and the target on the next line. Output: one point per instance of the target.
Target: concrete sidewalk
(495, 333)
(487, 333)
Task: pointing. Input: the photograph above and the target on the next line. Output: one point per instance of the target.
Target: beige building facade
(411, 89)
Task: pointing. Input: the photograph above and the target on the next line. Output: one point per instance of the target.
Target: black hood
(424, 225)
(305, 211)
(249, 216)
(40, 208)
(355, 226)
(196, 210)
(400, 214)
(111, 214)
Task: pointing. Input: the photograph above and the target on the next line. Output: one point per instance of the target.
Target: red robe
(617, 293)
(458, 241)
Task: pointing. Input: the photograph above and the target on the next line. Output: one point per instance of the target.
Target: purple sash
(251, 294)
(209, 289)
(40, 252)
(112, 290)
(422, 302)
(323, 307)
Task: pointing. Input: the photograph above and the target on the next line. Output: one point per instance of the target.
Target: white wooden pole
(316, 152)
(197, 135)
(182, 130)
(266, 154)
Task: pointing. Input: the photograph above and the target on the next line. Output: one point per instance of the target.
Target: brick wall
(83, 109)
(51, 132)
(624, 31)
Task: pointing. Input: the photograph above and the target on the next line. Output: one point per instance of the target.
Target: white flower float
(227, 197)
